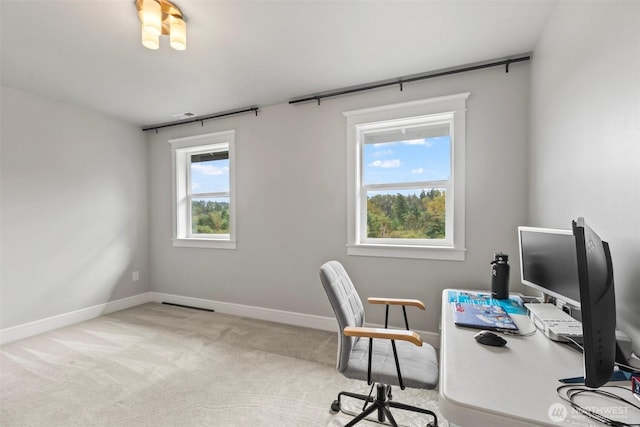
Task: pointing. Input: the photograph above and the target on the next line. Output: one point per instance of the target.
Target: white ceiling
(241, 53)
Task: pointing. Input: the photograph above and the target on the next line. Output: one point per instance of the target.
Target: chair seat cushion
(418, 365)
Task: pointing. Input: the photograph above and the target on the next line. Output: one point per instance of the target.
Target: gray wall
(73, 204)
(85, 199)
(585, 139)
(291, 189)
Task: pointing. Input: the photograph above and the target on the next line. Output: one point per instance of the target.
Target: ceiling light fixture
(161, 17)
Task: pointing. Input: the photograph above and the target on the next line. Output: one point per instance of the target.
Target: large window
(204, 213)
(406, 179)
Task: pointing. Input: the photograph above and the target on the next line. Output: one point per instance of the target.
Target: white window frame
(450, 109)
(181, 151)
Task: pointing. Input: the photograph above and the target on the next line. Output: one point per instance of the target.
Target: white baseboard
(253, 312)
(36, 327)
(322, 323)
(279, 316)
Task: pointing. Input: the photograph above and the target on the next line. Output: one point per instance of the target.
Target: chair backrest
(346, 305)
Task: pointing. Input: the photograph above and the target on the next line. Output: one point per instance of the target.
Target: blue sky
(210, 177)
(407, 161)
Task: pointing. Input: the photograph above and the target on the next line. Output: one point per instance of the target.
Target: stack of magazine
(479, 310)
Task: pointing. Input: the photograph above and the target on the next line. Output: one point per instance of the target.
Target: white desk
(510, 386)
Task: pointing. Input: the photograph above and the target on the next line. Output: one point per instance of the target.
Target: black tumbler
(500, 276)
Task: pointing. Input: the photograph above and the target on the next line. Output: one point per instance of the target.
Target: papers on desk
(491, 317)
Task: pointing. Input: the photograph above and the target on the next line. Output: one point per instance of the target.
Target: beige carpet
(160, 365)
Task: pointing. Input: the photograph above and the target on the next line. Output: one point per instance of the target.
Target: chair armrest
(397, 301)
(389, 334)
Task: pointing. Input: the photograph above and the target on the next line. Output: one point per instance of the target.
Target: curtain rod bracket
(506, 67)
(400, 83)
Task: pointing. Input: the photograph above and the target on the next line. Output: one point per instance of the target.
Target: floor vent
(188, 306)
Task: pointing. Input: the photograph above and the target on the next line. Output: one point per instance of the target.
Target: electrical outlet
(136, 276)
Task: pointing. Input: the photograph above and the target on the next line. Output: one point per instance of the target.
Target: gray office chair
(388, 357)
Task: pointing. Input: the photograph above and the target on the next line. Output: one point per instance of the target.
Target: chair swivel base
(381, 404)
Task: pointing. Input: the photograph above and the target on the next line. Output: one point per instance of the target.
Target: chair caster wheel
(335, 406)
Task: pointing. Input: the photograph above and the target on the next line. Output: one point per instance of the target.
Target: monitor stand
(617, 375)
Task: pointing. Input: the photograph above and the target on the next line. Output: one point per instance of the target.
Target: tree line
(408, 217)
(209, 217)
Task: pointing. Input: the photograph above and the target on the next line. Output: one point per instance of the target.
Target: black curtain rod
(201, 119)
(400, 81)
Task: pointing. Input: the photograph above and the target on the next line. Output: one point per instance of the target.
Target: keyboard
(555, 323)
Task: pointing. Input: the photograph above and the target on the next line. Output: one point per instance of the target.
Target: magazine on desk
(491, 317)
(479, 310)
(513, 305)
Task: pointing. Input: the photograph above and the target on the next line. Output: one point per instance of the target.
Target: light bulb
(178, 33)
(150, 41)
(151, 17)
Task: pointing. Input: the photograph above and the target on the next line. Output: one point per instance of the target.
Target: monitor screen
(597, 297)
(548, 262)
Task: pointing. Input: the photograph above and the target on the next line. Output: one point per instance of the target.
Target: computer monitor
(597, 301)
(548, 263)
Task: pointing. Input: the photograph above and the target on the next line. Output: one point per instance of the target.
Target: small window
(406, 176)
(204, 214)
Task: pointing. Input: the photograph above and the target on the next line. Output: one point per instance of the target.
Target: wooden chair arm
(397, 301)
(389, 334)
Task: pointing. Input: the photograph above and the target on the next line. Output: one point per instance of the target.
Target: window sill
(416, 252)
(204, 243)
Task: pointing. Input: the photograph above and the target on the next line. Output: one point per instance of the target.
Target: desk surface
(513, 385)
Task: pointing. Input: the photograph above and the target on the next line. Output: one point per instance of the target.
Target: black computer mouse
(489, 338)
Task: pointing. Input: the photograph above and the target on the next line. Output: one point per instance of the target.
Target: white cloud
(418, 171)
(382, 153)
(210, 170)
(385, 163)
(413, 142)
(424, 141)
(421, 141)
